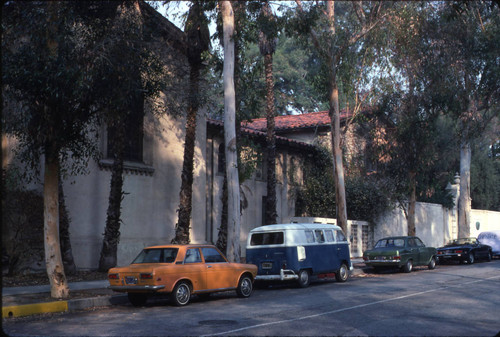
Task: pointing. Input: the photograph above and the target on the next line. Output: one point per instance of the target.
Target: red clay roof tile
(290, 122)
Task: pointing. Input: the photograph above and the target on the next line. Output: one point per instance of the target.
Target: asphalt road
(452, 300)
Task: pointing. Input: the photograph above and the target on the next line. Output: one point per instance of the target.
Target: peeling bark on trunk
(234, 221)
(108, 257)
(464, 200)
(55, 269)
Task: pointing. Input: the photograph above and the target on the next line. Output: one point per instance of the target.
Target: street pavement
(32, 300)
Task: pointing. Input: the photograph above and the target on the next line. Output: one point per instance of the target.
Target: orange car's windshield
(157, 255)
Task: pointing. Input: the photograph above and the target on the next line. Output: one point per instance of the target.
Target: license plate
(380, 258)
(267, 265)
(130, 280)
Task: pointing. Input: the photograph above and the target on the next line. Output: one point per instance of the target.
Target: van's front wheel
(342, 274)
(304, 278)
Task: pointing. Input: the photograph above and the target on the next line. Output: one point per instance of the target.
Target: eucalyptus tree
(407, 111)
(198, 40)
(234, 218)
(469, 45)
(48, 76)
(336, 30)
(267, 46)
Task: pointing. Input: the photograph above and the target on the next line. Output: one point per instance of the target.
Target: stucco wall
(431, 222)
(149, 206)
(483, 221)
(434, 224)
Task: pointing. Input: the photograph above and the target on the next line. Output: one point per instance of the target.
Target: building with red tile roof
(309, 128)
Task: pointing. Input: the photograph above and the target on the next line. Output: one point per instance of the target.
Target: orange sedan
(181, 270)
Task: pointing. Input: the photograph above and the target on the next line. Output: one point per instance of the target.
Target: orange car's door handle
(209, 266)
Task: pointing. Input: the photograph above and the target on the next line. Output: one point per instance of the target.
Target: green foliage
(366, 197)
(250, 155)
(60, 75)
(316, 196)
(485, 178)
(22, 224)
(47, 81)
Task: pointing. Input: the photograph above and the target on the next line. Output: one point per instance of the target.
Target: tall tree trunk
(55, 269)
(234, 221)
(53, 259)
(271, 215)
(464, 200)
(267, 46)
(411, 205)
(64, 221)
(108, 257)
(198, 38)
(334, 112)
(186, 194)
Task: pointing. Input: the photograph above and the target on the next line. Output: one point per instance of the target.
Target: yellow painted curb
(31, 309)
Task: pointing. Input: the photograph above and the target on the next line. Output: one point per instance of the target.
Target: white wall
(434, 223)
(483, 221)
(149, 209)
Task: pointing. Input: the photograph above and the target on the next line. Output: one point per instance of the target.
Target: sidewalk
(31, 300)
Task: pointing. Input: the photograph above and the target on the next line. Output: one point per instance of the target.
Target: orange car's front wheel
(245, 286)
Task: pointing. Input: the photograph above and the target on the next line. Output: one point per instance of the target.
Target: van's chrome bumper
(284, 275)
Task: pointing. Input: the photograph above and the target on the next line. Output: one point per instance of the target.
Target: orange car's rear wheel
(181, 294)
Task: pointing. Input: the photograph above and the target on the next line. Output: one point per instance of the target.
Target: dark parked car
(402, 252)
(464, 250)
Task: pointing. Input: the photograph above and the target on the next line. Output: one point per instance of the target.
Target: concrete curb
(62, 306)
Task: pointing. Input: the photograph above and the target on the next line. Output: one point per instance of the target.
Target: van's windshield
(271, 238)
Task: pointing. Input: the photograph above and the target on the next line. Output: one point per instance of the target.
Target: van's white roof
(270, 228)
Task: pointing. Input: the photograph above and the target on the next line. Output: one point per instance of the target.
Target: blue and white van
(299, 252)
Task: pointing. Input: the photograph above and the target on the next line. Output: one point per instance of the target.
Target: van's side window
(341, 236)
(309, 236)
(272, 238)
(329, 235)
(319, 236)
